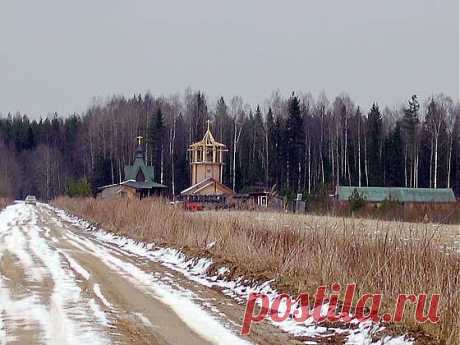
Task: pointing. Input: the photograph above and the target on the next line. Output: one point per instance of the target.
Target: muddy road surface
(60, 285)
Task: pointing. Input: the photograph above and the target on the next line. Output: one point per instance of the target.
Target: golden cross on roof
(139, 139)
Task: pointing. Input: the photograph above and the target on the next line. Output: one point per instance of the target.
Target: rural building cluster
(207, 189)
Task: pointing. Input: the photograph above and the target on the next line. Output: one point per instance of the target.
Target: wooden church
(139, 180)
(206, 170)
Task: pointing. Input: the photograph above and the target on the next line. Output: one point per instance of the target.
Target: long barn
(398, 194)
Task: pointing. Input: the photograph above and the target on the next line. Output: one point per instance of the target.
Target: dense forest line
(299, 144)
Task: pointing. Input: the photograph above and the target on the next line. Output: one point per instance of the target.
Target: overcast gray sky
(56, 55)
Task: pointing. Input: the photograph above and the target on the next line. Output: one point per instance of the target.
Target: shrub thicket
(81, 188)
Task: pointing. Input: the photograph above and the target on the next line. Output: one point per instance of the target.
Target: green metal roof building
(400, 194)
(139, 170)
(138, 177)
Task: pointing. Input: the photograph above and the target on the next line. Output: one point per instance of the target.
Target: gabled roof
(208, 140)
(379, 194)
(131, 171)
(196, 188)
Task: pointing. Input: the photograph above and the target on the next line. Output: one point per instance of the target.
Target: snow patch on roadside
(193, 315)
(98, 293)
(196, 269)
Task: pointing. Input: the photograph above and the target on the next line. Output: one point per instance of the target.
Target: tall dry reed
(4, 202)
(300, 252)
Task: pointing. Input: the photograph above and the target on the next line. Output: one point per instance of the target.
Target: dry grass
(303, 252)
(4, 202)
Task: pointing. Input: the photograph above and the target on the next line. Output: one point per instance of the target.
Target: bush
(356, 200)
(80, 188)
(389, 204)
(319, 201)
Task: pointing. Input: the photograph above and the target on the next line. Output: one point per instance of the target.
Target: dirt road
(61, 285)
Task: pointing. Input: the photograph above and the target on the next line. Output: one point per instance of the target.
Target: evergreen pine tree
(410, 124)
(375, 140)
(296, 143)
(258, 175)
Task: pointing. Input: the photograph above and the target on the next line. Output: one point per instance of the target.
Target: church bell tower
(207, 159)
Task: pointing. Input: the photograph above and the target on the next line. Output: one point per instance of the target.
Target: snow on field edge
(196, 270)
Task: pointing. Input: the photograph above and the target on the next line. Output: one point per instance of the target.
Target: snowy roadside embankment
(196, 269)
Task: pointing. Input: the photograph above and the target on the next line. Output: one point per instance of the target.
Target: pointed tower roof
(208, 139)
(132, 171)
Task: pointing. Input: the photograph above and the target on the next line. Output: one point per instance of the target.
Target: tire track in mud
(39, 301)
(61, 285)
(138, 308)
(222, 307)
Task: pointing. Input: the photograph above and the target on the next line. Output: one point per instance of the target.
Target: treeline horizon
(298, 144)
